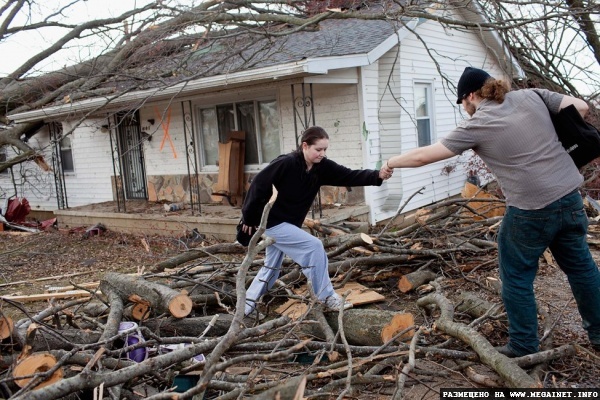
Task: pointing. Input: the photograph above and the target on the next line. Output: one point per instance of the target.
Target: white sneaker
(336, 303)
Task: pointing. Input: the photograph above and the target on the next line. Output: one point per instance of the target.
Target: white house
(377, 87)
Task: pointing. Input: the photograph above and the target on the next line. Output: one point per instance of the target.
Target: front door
(131, 152)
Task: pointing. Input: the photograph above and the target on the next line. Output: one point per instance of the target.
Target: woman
(297, 177)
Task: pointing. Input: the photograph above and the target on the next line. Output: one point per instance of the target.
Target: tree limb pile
(370, 349)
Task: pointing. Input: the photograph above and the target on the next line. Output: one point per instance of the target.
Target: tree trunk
(227, 248)
(368, 327)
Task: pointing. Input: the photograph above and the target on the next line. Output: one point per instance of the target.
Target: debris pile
(416, 321)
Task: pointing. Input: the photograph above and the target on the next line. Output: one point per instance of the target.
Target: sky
(20, 47)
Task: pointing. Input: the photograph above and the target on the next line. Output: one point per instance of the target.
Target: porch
(215, 221)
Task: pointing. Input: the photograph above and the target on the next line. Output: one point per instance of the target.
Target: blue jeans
(523, 237)
(302, 247)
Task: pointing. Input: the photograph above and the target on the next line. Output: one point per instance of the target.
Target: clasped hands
(386, 172)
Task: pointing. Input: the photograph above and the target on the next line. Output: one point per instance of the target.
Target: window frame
(429, 90)
(61, 149)
(198, 123)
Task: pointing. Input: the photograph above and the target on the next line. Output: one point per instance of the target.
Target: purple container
(137, 355)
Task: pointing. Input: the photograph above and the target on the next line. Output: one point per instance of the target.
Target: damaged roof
(194, 64)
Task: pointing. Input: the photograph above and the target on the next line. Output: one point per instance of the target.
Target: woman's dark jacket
(297, 187)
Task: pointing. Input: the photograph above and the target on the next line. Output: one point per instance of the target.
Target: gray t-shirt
(517, 141)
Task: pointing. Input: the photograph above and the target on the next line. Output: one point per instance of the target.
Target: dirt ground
(36, 263)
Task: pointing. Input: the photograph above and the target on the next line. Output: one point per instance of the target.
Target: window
(66, 155)
(423, 113)
(3, 159)
(259, 119)
(62, 153)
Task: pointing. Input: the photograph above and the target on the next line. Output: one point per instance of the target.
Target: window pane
(269, 130)
(258, 120)
(246, 123)
(226, 121)
(210, 136)
(421, 101)
(424, 132)
(3, 159)
(66, 155)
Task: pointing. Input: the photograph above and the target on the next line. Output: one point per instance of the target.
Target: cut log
(415, 279)
(483, 209)
(367, 327)
(6, 327)
(140, 310)
(68, 339)
(161, 298)
(37, 363)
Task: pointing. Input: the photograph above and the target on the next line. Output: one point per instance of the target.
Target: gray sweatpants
(302, 247)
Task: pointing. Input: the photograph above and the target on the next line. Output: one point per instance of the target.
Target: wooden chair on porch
(230, 182)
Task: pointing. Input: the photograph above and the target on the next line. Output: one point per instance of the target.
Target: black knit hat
(471, 80)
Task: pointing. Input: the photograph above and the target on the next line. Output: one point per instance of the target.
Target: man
(513, 134)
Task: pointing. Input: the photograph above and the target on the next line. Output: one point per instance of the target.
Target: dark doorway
(131, 152)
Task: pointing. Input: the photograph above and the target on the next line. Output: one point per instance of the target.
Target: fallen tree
(230, 356)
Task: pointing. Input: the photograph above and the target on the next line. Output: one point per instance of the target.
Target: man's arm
(579, 104)
(420, 156)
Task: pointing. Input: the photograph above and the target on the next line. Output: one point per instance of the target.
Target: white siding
(370, 94)
(164, 156)
(91, 181)
(336, 111)
(453, 51)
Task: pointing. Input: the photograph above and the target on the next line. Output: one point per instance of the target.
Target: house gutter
(131, 99)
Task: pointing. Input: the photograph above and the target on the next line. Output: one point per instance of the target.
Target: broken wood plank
(47, 278)
(47, 296)
(359, 295)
